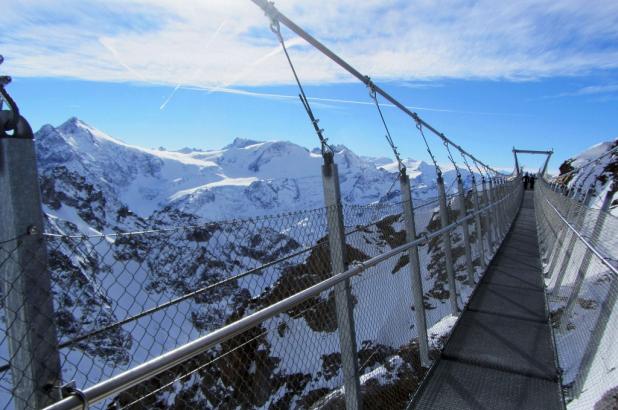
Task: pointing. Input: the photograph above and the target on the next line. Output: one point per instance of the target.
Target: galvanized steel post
(578, 219)
(415, 270)
(497, 196)
(343, 291)
(561, 236)
(465, 229)
(31, 330)
(583, 268)
(493, 197)
(477, 224)
(490, 232)
(501, 209)
(446, 244)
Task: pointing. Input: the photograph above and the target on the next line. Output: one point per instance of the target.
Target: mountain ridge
(243, 179)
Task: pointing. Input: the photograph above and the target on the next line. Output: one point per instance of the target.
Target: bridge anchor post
(561, 235)
(446, 243)
(587, 259)
(477, 223)
(26, 283)
(493, 213)
(343, 291)
(492, 239)
(466, 233)
(415, 270)
(579, 216)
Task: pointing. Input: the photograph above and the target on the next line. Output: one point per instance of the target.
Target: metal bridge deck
(501, 354)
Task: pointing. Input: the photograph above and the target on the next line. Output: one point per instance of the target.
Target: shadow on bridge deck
(501, 354)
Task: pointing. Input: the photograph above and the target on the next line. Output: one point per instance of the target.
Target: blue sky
(534, 74)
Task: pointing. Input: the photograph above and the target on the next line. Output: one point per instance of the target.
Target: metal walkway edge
(501, 353)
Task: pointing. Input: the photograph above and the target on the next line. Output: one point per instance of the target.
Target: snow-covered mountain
(244, 179)
(601, 176)
(271, 194)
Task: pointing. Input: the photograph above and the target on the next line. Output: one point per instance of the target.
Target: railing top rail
(153, 367)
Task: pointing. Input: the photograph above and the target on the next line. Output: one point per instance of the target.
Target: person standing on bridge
(532, 178)
(526, 179)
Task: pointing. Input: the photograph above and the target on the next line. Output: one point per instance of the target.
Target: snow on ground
(441, 329)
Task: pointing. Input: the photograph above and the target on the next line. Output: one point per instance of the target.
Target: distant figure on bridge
(526, 180)
(532, 178)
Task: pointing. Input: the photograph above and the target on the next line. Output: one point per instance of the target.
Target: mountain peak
(241, 143)
(77, 131)
(73, 123)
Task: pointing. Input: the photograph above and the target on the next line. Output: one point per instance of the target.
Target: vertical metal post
(446, 244)
(488, 222)
(562, 233)
(502, 205)
(343, 291)
(465, 229)
(583, 268)
(499, 210)
(491, 193)
(415, 270)
(578, 219)
(477, 223)
(496, 196)
(26, 284)
(544, 171)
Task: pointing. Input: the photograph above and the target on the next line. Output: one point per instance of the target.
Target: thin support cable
(325, 147)
(463, 156)
(419, 126)
(479, 169)
(450, 157)
(389, 138)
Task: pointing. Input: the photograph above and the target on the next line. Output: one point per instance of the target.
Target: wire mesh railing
(578, 249)
(294, 356)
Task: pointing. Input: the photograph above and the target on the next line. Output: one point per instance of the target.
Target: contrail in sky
(289, 43)
(200, 69)
(112, 50)
(227, 90)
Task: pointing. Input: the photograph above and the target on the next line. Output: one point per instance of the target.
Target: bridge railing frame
(508, 199)
(571, 235)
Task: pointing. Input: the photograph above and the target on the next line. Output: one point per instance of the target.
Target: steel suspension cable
(450, 157)
(389, 138)
(275, 15)
(463, 156)
(419, 126)
(276, 28)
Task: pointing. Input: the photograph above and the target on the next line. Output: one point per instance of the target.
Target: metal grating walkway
(501, 354)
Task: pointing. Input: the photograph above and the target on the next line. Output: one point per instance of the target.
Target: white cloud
(589, 90)
(166, 41)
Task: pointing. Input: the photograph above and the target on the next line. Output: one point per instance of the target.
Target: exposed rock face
(601, 176)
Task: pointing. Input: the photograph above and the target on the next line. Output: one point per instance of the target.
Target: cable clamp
(69, 389)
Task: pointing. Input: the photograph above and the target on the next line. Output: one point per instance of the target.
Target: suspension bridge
(489, 296)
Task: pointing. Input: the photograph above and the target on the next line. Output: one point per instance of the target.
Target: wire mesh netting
(122, 299)
(580, 262)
